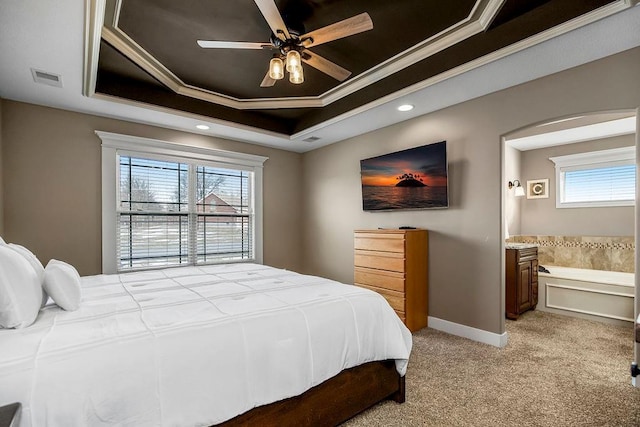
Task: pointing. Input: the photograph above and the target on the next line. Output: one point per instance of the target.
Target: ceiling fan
(293, 45)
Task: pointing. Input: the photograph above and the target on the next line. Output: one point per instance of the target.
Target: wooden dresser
(394, 264)
(521, 280)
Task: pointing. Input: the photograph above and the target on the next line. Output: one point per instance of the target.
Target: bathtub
(606, 296)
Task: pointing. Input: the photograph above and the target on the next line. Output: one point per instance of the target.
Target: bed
(231, 344)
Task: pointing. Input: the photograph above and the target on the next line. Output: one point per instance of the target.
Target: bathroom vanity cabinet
(521, 279)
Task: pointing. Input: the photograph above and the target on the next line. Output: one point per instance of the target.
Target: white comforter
(191, 346)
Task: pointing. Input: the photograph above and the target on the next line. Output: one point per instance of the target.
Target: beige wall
(51, 165)
(540, 216)
(465, 240)
(512, 204)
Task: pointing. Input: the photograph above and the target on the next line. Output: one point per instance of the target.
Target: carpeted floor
(554, 371)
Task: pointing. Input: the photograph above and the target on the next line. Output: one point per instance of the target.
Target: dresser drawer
(379, 278)
(401, 315)
(379, 260)
(395, 299)
(377, 242)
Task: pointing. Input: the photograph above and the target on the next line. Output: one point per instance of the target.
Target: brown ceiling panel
(139, 86)
(523, 26)
(114, 63)
(514, 8)
(168, 30)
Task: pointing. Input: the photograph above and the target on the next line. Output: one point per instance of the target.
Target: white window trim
(603, 158)
(114, 144)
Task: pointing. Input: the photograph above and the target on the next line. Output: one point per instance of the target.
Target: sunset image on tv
(410, 179)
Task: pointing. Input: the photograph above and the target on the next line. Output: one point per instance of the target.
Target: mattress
(192, 346)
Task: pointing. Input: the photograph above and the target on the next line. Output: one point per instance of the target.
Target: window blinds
(173, 213)
(613, 183)
(223, 230)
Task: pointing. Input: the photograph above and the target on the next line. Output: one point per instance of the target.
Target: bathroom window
(596, 179)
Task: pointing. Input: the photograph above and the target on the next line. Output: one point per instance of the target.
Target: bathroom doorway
(554, 174)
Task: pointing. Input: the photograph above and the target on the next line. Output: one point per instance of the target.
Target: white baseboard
(480, 335)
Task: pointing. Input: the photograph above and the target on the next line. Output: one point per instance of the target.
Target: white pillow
(62, 283)
(35, 263)
(20, 290)
(29, 256)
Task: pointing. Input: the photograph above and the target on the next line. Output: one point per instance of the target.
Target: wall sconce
(519, 189)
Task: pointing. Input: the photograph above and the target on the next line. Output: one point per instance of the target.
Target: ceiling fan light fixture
(292, 41)
(276, 69)
(293, 60)
(296, 76)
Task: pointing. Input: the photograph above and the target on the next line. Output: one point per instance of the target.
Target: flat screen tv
(409, 179)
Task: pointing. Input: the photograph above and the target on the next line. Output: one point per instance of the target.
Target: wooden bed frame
(332, 402)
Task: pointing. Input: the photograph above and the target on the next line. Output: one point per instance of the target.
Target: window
(167, 204)
(153, 214)
(596, 179)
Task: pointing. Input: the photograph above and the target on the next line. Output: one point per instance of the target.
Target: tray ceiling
(146, 51)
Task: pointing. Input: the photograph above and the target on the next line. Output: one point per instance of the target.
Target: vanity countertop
(519, 245)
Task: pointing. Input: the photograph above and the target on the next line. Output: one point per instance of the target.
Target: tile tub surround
(606, 253)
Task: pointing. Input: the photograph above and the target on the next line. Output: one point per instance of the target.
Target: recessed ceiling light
(202, 127)
(405, 107)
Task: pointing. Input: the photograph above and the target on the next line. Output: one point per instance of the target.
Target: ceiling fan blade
(267, 81)
(324, 65)
(214, 44)
(348, 27)
(272, 15)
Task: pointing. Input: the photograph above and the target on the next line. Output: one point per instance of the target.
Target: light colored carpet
(554, 371)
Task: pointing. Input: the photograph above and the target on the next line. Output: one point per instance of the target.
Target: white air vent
(46, 78)
(311, 139)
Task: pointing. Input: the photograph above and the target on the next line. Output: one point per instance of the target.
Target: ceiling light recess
(202, 127)
(405, 107)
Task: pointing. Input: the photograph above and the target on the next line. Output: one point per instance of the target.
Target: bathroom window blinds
(615, 183)
(596, 179)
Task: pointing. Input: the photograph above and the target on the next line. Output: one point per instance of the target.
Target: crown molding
(93, 22)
